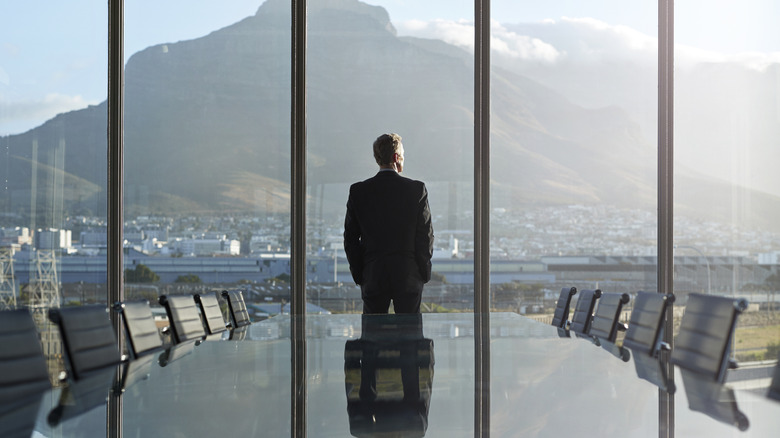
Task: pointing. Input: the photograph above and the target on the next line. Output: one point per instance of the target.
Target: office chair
(87, 338)
(24, 377)
(142, 334)
(704, 341)
(183, 317)
(774, 387)
(645, 330)
(212, 314)
(561, 315)
(606, 320)
(583, 311)
(237, 306)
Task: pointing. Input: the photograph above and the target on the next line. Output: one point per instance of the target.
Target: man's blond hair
(384, 147)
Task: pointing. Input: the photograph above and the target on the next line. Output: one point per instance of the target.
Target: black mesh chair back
(87, 338)
(583, 311)
(212, 314)
(703, 343)
(774, 387)
(23, 374)
(561, 315)
(606, 320)
(183, 317)
(142, 334)
(645, 328)
(237, 306)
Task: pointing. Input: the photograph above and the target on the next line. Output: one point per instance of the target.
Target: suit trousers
(395, 279)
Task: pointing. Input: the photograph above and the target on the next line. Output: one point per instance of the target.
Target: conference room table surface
(393, 375)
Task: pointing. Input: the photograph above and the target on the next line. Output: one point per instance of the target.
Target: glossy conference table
(417, 379)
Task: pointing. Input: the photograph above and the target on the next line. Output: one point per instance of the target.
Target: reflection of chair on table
(713, 399)
(23, 374)
(389, 377)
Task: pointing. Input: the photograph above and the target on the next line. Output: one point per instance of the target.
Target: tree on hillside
(189, 278)
(141, 274)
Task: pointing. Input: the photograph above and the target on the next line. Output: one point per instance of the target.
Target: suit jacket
(388, 219)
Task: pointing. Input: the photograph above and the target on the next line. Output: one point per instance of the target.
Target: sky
(53, 53)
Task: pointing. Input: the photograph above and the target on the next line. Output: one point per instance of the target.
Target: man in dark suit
(388, 236)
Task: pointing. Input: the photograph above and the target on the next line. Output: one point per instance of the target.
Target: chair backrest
(212, 314)
(583, 311)
(183, 317)
(87, 338)
(142, 333)
(23, 372)
(561, 315)
(774, 387)
(646, 326)
(607, 316)
(237, 306)
(704, 340)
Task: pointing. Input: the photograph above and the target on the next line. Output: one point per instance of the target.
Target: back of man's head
(384, 147)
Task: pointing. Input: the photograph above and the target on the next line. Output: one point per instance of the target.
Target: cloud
(20, 115)
(460, 33)
(508, 43)
(574, 39)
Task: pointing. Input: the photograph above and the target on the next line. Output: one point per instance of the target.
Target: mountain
(207, 125)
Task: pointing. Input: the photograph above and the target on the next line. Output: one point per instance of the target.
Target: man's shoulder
(386, 177)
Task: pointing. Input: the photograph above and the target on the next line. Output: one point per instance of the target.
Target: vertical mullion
(298, 219)
(666, 192)
(481, 218)
(115, 175)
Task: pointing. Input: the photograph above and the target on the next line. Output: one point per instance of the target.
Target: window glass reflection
(207, 174)
(573, 169)
(390, 68)
(727, 191)
(573, 161)
(53, 161)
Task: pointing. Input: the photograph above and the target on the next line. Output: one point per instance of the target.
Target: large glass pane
(207, 142)
(53, 165)
(207, 182)
(372, 69)
(390, 69)
(573, 165)
(727, 188)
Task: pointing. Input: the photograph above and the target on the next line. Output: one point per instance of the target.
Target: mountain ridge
(207, 124)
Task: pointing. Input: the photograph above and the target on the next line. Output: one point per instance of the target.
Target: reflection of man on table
(388, 376)
(388, 236)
